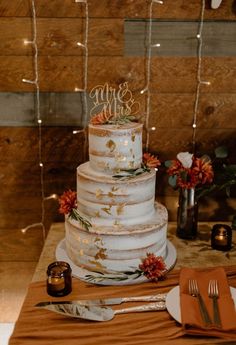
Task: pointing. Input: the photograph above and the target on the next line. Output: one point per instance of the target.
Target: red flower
(150, 160)
(102, 118)
(153, 267)
(67, 202)
(175, 168)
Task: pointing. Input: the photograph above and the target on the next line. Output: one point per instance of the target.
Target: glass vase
(187, 216)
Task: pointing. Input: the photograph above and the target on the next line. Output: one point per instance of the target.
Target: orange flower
(150, 160)
(203, 171)
(67, 202)
(102, 118)
(153, 267)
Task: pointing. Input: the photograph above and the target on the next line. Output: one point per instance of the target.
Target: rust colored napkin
(190, 314)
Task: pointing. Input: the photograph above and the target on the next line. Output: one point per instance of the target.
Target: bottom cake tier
(111, 250)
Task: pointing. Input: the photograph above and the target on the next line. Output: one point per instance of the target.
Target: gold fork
(213, 292)
(194, 291)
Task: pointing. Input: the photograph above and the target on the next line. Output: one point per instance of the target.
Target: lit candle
(59, 281)
(221, 237)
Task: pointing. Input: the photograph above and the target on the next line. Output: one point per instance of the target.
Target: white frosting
(117, 251)
(126, 224)
(108, 201)
(114, 147)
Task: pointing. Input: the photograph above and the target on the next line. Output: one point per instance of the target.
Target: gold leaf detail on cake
(120, 209)
(97, 214)
(81, 252)
(85, 241)
(133, 137)
(99, 194)
(131, 164)
(115, 189)
(101, 254)
(97, 240)
(116, 222)
(102, 165)
(120, 158)
(107, 210)
(111, 195)
(111, 145)
(96, 264)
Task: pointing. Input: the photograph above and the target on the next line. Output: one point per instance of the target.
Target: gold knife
(108, 301)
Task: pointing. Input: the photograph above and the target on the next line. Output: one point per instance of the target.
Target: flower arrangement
(205, 174)
(188, 171)
(68, 206)
(149, 162)
(152, 267)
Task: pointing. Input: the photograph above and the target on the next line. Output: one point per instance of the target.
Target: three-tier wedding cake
(119, 220)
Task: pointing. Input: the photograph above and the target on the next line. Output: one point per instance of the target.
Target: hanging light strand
(84, 46)
(85, 102)
(39, 120)
(199, 70)
(148, 71)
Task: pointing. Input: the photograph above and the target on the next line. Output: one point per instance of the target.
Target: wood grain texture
(117, 9)
(175, 110)
(168, 142)
(216, 110)
(59, 36)
(179, 38)
(21, 144)
(63, 74)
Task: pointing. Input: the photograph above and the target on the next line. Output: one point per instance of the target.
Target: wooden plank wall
(60, 25)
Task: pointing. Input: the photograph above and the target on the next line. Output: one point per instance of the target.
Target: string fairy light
(199, 80)
(146, 89)
(84, 46)
(33, 42)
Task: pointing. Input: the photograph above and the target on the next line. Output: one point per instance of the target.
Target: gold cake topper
(112, 105)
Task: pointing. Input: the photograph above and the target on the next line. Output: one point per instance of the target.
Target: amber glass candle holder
(59, 280)
(221, 237)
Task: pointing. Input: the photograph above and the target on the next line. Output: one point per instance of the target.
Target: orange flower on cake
(101, 118)
(153, 267)
(68, 207)
(67, 202)
(150, 161)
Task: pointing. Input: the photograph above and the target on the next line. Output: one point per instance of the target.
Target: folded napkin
(190, 314)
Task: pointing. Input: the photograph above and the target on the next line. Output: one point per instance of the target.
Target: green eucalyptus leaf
(168, 163)
(221, 152)
(230, 168)
(172, 181)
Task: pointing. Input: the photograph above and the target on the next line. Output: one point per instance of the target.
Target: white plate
(81, 273)
(173, 302)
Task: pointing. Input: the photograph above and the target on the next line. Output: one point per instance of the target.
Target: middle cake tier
(110, 201)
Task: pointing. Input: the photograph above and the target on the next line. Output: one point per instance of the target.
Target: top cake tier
(115, 147)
